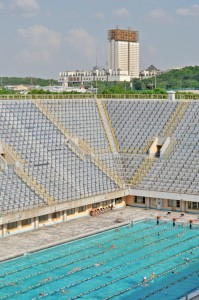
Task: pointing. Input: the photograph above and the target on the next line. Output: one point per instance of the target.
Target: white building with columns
(97, 74)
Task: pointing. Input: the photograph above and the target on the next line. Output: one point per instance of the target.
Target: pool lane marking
(39, 284)
(107, 250)
(74, 252)
(157, 275)
(169, 285)
(115, 268)
(128, 252)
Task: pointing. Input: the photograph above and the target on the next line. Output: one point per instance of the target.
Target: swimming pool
(110, 265)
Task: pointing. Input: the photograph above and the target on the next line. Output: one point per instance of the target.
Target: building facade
(123, 51)
(123, 61)
(97, 74)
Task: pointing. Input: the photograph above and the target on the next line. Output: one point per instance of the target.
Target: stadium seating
(82, 119)
(135, 122)
(48, 160)
(179, 172)
(45, 156)
(15, 194)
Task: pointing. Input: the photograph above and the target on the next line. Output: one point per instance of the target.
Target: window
(43, 218)
(26, 222)
(106, 203)
(194, 205)
(170, 203)
(96, 205)
(70, 211)
(82, 208)
(56, 215)
(174, 203)
(139, 199)
(118, 200)
(12, 225)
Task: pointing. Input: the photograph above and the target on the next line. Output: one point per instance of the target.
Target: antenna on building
(96, 57)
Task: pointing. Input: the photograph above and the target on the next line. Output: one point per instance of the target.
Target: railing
(177, 116)
(106, 123)
(102, 151)
(134, 96)
(137, 150)
(2, 165)
(113, 175)
(111, 126)
(99, 96)
(35, 186)
(72, 144)
(169, 149)
(14, 154)
(148, 145)
(84, 148)
(53, 119)
(32, 183)
(142, 171)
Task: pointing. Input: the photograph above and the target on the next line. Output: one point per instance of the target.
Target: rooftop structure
(150, 72)
(123, 35)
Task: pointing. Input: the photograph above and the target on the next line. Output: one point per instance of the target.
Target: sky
(40, 38)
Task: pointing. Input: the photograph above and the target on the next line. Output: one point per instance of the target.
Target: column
(64, 215)
(19, 225)
(50, 219)
(113, 202)
(183, 205)
(4, 229)
(147, 202)
(36, 222)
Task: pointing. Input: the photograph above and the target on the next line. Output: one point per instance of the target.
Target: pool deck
(48, 236)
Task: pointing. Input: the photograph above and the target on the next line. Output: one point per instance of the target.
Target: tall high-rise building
(123, 51)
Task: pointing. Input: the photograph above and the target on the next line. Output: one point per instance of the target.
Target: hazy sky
(42, 37)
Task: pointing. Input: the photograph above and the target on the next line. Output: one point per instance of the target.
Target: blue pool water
(110, 265)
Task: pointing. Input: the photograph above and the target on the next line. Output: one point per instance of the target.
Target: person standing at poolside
(190, 224)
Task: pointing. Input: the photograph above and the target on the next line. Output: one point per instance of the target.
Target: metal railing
(176, 118)
(142, 171)
(113, 143)
(99, 96)
(31, 182)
